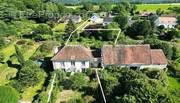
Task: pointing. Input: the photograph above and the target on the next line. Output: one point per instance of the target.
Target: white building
(107, 21)
(167, 22)
(75, 58)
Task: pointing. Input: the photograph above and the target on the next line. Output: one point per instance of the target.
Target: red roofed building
(139, 56)
(74, 58)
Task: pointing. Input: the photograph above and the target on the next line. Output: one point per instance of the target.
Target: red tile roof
(130, 54)
(158, 57)
(73, 52)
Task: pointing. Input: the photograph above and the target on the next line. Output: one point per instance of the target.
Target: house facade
(167, 22)
(107, 21)
(77, 58)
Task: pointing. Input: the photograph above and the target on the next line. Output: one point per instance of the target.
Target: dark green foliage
(122, 20)
(29, 75)
(8, 95)
(139, 28)
(131, 86)
(172, 34)
(2, 42)
(70, 27)
(19, 55)
(42, 32)
(87, 6)
(78, 81)
(109, 35)
(105, 7)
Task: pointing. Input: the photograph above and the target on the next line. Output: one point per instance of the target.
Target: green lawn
(154, 7)
(8, 95)
(30, 92)
(174, 87)
(6, 73)
(8, 51)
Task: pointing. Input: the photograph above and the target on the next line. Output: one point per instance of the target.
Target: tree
(29, 75)
(19, 55)
(70, 27)
(122, 20)
(2, 42)
(87, 6)
(105, 7)
(119, 8)
(159, 12)
(134, 86)
(110, 35)
(42, 32)
(139, 28)
(78, 81)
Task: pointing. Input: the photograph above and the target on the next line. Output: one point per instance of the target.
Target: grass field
(141, 7)
(8, 95)
(174, 87)
(154, 7)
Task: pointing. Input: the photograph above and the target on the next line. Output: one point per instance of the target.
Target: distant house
(107, 21)
(77, 58)
(167, 22)
(76, 19)
(134, 56)
(96, 19)
(145, 14)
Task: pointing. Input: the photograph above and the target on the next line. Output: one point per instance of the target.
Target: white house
(107, 21)
(77, 58)
(167, 22)
(134, 56)
(96, 19)
(76, 19)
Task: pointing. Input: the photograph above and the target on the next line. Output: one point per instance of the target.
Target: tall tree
(70, 27)
(19, 55)
(122, 20)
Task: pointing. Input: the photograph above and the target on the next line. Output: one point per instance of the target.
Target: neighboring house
(167, 22)
(134, 56)
(96, 19)
(76, 19)
(107, 21)
(75, 58)
(145, 14)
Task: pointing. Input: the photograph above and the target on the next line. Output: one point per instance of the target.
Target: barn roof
(131, 54)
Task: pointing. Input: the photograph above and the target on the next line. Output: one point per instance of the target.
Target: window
(62, 64)
(72, 63)
(83, 63)
(83, 70)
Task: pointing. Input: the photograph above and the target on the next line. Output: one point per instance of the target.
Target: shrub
(78, 81)
(1, 57)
